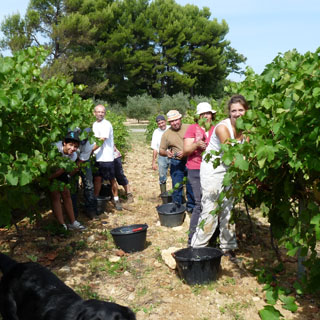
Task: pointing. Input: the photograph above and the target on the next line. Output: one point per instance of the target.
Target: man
(103, 130)
(172, 146)
(163, 162)
(67, 148)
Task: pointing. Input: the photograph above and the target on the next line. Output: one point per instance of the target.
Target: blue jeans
(90, 201)
(178, 171)
(164, 164)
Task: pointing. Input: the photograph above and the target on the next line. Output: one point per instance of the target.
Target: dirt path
(142, 280)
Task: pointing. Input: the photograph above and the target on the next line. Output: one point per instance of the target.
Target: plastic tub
(171, 214)
(198, 265)
(130, 238)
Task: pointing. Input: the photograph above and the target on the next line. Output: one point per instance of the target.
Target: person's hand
(154, 165)
(179, 154)
(169, 154)
(201, 145)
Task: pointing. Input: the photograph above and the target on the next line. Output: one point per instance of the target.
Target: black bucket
(130, 238)
(171, 214)
(106, 191)
(198, 265)
(166, 197)
(101, 204)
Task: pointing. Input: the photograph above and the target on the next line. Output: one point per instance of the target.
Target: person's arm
(223, 134)
(57, 174)
(163, 150)
(189, 146)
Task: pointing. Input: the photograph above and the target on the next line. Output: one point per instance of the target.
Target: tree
(121, 48)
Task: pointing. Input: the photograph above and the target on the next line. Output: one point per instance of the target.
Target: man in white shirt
(163, 162)
(103, 130)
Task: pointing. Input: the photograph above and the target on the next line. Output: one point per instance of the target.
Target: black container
(198, 265)
(106, 191)
(101, 204)
(171, 214)
(130, 238)
(166, 197)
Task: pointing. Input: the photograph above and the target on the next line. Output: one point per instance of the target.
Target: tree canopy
(121, 48)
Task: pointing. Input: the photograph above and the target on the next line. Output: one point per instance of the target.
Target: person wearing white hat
(172, 146)
(196, 140)
(212, 183)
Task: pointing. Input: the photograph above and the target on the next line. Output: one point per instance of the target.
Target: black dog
(29, 291)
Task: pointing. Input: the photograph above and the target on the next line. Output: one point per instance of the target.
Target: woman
(211, 183)
(195, 142)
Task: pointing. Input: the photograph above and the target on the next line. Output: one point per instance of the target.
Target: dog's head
(100, 310)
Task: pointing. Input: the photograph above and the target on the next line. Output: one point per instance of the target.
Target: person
(67, 148)
(163, 161)
(103, 130)
(212, 183)
(120, 176)
(171, 145)
(195, 142)
(90, 200)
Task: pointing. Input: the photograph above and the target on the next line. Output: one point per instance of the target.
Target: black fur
(29, 291)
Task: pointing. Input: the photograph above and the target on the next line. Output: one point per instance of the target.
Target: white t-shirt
(72, 157)
(156, 138)
(103, 129)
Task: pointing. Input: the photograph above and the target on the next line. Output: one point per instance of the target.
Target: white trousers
(211, 185)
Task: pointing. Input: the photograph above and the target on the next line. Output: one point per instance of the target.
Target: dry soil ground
(91, 265)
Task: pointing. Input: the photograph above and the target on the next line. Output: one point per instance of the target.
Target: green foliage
(36, 113)
(278, 169)
(141, 107)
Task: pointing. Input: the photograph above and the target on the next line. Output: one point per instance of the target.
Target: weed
(32, 257)
(112, 268)
(86, 292)
(142, 291)
(158, 255)
(229, 281)
(56, 229)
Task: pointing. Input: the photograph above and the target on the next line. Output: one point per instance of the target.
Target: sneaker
(64, 226)
(118, 205)
(231, 255)
(129, 197)
(76, 225)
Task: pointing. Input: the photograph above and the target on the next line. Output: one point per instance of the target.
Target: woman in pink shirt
(195, 142)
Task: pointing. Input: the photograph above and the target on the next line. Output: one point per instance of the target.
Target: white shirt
(72, 157)
(156, 138)
(103, 129)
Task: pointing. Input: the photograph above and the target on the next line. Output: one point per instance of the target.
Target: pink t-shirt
(196, 132)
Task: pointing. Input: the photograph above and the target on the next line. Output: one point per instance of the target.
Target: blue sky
(257, 29)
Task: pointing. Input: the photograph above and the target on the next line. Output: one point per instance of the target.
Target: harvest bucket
(198, 265)
(130, 238)
(101, 204)
(171, 214)
(166, 197)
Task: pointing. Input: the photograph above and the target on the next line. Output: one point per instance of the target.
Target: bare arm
(189, 146)
(223, 133)
(154, 159)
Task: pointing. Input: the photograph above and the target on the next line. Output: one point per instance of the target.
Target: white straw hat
(203, 107)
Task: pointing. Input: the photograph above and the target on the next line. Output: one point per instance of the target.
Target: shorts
(105, 170)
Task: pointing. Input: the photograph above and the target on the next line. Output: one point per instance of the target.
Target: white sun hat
(203, 107)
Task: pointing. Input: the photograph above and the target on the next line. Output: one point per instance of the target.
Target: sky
(257, 29)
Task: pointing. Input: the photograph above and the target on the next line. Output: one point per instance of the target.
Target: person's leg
(66, 196)
(163, 169)
(88, 190)
(194, 180)
(121, 177)
(211, 185)
(228, 240)
(97, 180)
(190, 196)
(74, 182)
(55, 197)
(177, 174)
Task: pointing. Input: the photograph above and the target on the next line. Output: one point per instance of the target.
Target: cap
(72, 135)
(203, 107)
(174, 115)
(160, 117)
